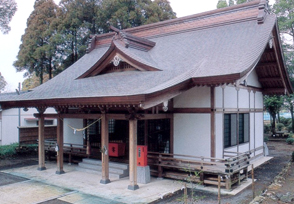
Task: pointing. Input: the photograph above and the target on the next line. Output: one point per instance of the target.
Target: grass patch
(8, 150)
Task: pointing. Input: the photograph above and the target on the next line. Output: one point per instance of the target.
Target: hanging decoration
(82, 129)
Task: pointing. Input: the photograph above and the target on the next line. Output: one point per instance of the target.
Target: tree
(7, 11)
(37, 51)
(284, 10)
(289, 104)
(76, 21)
(126, 14)
(273, 105)
(33, 81)
(221, 4)
(3, 83)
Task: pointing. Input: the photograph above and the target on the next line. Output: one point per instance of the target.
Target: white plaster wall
(192, 134)
(197, 97)
(251, 99)
(219, 135)
(243, 98)
(258, 130)
(252, 130)
(252, 79)
(0, 130)
(68, 133)
(10, 122)
(9, 128)
(244, 147)
(218, 97)
(258, 100)
(230, 97)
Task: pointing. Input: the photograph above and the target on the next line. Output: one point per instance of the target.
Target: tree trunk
(291, 112)
(279, 119)
(274, 124)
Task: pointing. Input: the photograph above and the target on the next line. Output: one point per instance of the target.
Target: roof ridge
(193, 17)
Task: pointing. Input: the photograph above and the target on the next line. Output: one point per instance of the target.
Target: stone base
(41, 168)
(60, 172)
(104, 181)
(131, 187)
(143, 174)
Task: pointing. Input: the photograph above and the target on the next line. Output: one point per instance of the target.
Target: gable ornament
(116, 60)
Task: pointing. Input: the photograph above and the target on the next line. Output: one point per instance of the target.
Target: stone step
(111, 164)
(99, 168)
(111, 175)
(116, 170)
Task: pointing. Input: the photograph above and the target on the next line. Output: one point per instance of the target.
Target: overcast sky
(9, 43)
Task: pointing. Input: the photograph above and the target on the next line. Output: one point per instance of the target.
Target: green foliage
(289, 128)
(8, 150)
(221, 4)
(37, 52)
(290, 140)
(266, 139)
(280, 126)
(3, 83)
(285, 121)
(266, 128)
(272, 105)
(57, 36)
(7, 11)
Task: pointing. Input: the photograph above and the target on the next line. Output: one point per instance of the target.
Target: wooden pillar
(212, 122)
(104, 148)
(41, 145)
(133, 154)
(59, 148)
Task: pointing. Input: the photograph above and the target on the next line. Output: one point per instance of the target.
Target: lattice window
(121, 67)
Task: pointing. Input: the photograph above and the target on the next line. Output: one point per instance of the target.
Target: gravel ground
(264, 174)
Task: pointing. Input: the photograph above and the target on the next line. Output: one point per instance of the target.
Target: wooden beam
(41, 145)
(266, 79)
(192, 110)
(60, 146)
(133, 155)
(212, 122)
(266, 64)
(105, 150)
(274, 91)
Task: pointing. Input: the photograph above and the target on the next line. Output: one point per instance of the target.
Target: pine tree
(3, 83)
(7, 11)
(37, 53)
(221, 4)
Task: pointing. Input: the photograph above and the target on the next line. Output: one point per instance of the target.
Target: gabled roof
(164, 59)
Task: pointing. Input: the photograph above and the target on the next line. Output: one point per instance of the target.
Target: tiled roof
(216, 47)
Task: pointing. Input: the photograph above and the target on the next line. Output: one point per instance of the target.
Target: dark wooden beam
(266, 64)
(266, 79)
(192, 110)
(212, 122)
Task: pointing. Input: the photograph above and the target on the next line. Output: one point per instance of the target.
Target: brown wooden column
(212, 121)
(133, 154)
(59, 146)
(41, 145)
(104, 148)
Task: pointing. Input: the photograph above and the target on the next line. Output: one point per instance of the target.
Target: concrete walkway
(84, 187)
(79, 187)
